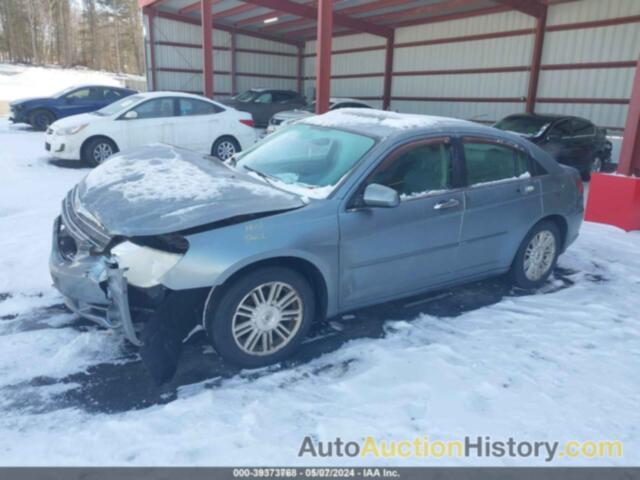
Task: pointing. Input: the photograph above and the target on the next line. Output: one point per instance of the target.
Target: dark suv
(264, 103)
(570, 140)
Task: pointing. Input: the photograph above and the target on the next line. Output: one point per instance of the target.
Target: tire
(41, 119)
(528, 279)
(97, 151)
(246, 348)
(224, 148)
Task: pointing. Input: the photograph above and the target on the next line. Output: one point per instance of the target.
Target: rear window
(525, 125)
(488, 162)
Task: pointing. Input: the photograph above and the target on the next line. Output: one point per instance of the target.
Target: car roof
(346, 99)
(549, 117)
(169, 93)
(384, 123)
(93, 85)
(263, 89)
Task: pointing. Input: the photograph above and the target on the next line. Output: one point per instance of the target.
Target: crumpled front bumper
(94, 288)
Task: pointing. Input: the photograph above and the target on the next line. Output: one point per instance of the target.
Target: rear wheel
(537, 256)
(225, 147)
(262, 317)
(41, 119)
(97, 151)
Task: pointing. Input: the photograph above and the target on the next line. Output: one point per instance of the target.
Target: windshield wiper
(263, 175)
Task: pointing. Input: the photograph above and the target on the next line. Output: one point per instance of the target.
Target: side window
(264, 98)
(111, 95)
(488, 162)
(189, 106)
(82, 94)
(422, 170)
(582, 128)
(157, 108)
(281, 97)
(561, 129)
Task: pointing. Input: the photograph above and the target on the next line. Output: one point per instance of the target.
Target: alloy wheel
(226, 149)
(101, 152)
(539, 255)
(267, 318)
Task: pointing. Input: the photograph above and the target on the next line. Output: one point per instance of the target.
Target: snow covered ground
(559, 364)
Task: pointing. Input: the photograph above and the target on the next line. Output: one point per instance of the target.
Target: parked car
(264, 103)
(291, 116)
(337, 212)
(42, 112)
(181, 119)
(570, 140)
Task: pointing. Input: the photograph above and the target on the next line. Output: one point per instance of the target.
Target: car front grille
(50, 131)
(84, 230)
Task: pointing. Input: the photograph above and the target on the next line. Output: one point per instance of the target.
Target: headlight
(144, 266)
(71, 130)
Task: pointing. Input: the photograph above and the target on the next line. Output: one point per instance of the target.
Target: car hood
(26, 101)
(292, 115)
(161, 189)
(74, 120)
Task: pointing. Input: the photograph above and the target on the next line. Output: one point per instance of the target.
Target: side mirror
(130, 115)
(376, 195)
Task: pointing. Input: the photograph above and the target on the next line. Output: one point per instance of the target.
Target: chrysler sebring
(336, 212)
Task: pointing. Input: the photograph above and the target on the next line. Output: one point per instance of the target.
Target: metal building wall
(609, 83)
(428, 78)
(178, 57)
(353, 74)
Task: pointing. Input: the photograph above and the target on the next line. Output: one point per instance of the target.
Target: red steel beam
(536, 59)
(148, 3)
(422, 11)
(388, 73)
(194, 7)
(300, 70)
(234, 83)
(207, 49)
(310, 12)
(323, 57)
(528, 7)
(151, 14)
(629, 163)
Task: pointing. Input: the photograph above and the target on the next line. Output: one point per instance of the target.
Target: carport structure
(474, 59)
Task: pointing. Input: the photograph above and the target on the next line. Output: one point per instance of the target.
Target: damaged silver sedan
(337, 212)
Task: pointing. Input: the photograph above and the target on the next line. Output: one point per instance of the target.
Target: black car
(572, 141)
(264, 103)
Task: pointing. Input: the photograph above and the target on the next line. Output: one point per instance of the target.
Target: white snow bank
(21, 81)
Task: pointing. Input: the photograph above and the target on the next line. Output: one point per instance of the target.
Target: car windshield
(62, 93)
(306, 159)
(118, 106)
(525, 125)
(247, 96)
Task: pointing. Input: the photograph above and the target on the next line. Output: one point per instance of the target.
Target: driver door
(79, 101)
(393, 252)
(153, 124)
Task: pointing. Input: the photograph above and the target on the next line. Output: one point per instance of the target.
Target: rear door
(197, 125)
(392, 252)
(502, 202)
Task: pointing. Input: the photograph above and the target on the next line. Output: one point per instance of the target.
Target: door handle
(451, 203)
(527, 189)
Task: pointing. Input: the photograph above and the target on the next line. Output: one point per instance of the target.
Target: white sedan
(180, 119)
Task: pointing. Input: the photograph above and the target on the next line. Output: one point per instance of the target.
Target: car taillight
(248, 123)
(580, 185)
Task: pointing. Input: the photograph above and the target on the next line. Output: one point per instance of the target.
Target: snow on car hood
(162, 189)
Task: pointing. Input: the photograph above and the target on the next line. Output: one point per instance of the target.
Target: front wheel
(537, 256)
(224, 148)
(41, 119)
(262, 317)
(97, 151)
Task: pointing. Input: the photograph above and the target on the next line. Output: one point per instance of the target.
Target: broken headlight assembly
(146, 260)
